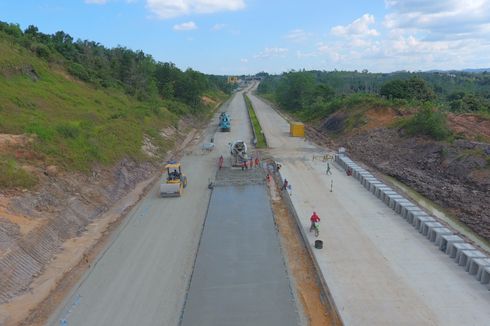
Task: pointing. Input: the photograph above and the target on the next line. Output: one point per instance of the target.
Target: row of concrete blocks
(464, 254)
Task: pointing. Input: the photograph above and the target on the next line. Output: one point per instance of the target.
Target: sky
(235, 37)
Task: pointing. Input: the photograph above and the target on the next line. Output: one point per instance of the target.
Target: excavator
(175, 181)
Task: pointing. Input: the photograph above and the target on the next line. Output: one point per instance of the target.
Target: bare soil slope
(454, 175)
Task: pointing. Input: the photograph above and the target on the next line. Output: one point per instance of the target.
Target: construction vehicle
(175, 181)
(238, 151)
(224, 121)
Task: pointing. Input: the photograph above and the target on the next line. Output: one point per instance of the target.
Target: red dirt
(471, 126)
(304, 275)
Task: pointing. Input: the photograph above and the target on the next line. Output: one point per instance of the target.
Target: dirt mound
(335, 123)
(470, 126)
(8, 141)
(456, 176)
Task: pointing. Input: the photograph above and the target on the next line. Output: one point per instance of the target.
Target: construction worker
(285, 184)
(314, 219)
(328, 169)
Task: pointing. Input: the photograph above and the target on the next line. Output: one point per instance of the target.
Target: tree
(414, 88)
(295, 90)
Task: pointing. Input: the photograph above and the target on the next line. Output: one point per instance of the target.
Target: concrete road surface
(240, 277)
(143, 276)
(379, 269)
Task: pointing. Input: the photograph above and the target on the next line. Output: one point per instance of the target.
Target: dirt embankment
(36, 225)
(454, 175)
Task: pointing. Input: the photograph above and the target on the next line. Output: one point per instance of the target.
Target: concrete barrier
(377, 186)
(409, 208)
(476, 267)
(485, 277)
(425, 226)
(387, 195)
(436, 233)
(367, 181)
(475, 262)
(467, 256)
(454, 249)
(380, 192)
(393, 200)
(413, 214)
(445, 240)
(399, 204)
(419, 221)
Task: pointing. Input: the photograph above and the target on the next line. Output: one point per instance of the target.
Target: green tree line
(137, 73)
(456, 91)
(313, 95)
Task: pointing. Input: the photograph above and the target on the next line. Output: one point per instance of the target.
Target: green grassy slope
(75, 125)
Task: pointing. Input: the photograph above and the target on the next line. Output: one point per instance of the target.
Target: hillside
(408, 129)
(71, 148)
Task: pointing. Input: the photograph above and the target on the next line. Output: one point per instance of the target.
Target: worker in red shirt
(314, 219)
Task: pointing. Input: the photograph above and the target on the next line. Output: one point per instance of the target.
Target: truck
(238, 151)
(224, 122)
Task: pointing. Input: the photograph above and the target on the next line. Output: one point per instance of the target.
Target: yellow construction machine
(175, 182)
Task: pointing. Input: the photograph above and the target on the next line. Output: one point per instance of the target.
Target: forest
(311, 95)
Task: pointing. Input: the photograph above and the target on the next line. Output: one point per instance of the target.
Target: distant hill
(477, 70)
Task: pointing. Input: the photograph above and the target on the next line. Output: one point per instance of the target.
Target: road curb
(326, 294)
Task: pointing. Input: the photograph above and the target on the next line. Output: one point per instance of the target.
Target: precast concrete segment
(455, 249)
(462, 252)
(425, 226)
(239, 276)
(477, 266)
(445, 240)
(435, 234)
(467, 256)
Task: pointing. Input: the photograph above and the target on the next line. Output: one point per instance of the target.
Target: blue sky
(248, 36)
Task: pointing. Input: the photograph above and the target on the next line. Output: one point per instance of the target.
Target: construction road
(380, 270)
(143, 276)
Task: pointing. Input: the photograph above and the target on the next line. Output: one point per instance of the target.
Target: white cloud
(359, 27)
(96, 2)
(297, 35)
(218, 27)
(437, 20)
(185, 26)
(272, 52)
(244, 60)
(173, 8)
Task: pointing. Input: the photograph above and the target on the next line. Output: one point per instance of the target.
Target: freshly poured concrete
(239, 276)
(380, 270)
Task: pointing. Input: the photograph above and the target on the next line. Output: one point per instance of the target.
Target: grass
(261, 142)
(76, 125)
(13, 176)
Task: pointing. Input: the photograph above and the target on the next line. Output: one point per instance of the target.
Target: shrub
(79, 71)
(42, 132)
(68, 130)
(12, 176)
(428, 121)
